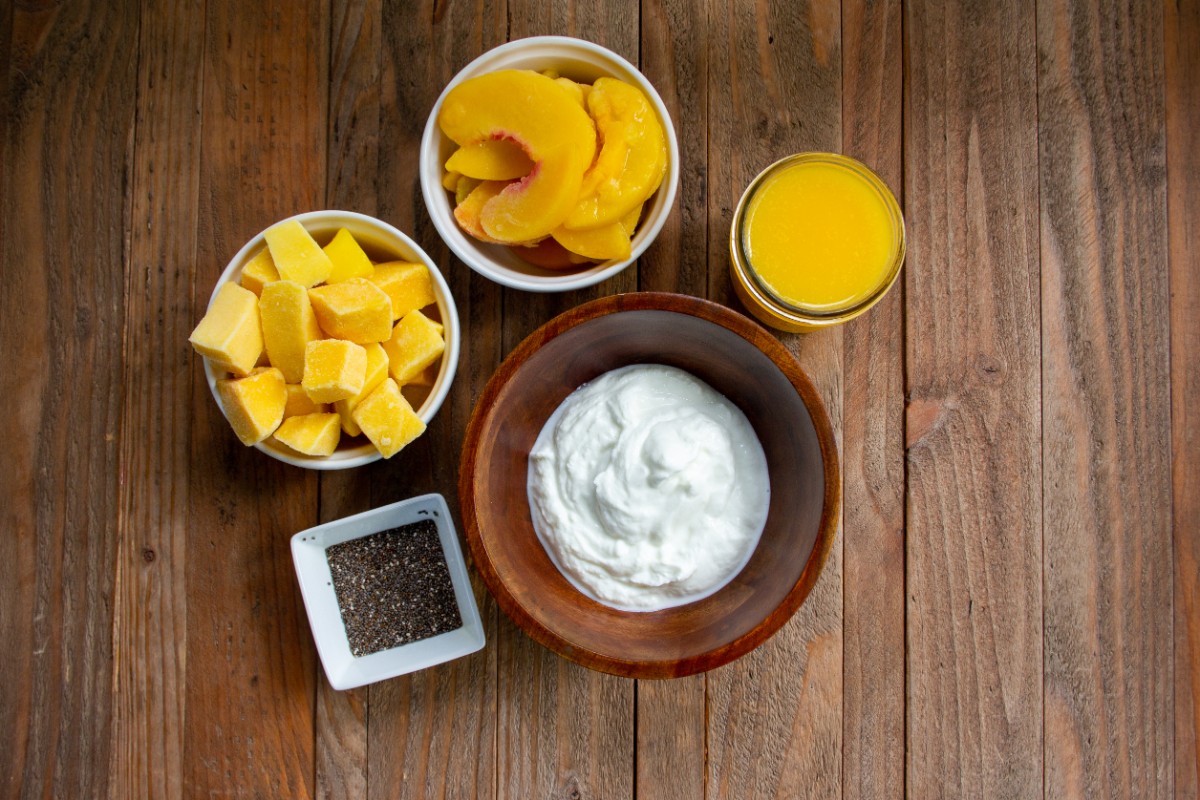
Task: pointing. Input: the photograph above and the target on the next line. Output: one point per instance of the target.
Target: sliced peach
(491, 160)
(450, 180)
(578, 91)
(632, 160)
(603, 244)
(470, 209)
(556, 134)
(464, 187)
(629, 221)
(549, 254)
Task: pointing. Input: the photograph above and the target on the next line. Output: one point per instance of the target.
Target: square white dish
(342, 668)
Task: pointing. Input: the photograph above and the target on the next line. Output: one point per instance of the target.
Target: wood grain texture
(873, 411)
(150, 598)
(774, 88)
(351, 183)
(68, 121)
(972, 422)
(1182, 76)
(675, 60)
(433, 734)
(671, 747)
(1105, 402)
(564, 731)
(250, 661)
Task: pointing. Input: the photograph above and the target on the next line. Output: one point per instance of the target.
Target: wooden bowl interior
(732, 366)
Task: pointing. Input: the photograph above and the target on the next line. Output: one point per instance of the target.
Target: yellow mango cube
(296, 254)
(408, 285)
(349, 260)
(299, 403)
(230, 334)
(387, 419)
(288, 325)
(311, 434)
(355, 309)
(254, 404)
(259, 271)
(415, 344)
(426, 377)
(334, 369)
(377, 372)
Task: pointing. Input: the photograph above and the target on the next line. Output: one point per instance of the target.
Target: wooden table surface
(1012, 606)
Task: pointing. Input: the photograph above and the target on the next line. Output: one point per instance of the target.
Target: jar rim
(767, 296)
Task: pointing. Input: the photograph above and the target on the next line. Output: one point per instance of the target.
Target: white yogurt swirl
(648, 488)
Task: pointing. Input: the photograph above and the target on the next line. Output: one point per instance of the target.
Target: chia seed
(393, 588)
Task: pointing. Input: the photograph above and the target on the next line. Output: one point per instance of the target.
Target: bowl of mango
(330, 341)
(549, 164)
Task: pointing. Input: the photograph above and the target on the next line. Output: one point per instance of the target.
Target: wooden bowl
(737, 358)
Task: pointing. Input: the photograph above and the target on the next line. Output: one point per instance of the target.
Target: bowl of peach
(330, 341)
(549, 164)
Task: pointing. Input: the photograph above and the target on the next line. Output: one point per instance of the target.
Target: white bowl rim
(434, 193)
(352, 458)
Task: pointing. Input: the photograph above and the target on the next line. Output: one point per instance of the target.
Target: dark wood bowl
(737, 358)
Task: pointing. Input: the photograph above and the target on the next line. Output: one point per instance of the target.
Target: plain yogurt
(648, 488)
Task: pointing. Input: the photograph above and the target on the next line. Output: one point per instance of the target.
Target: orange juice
(817, 239)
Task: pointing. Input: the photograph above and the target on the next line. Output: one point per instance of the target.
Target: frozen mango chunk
(254, 404)
(349, 260)
(334, 369)
(355, 309)
(288, 325)
(377, 372)
(230, 334)
(296, 254)
(408, 285)
(259, 271)
(299, 403)
(426, 377)
(311, 434)
(387, 419)
(416, 343)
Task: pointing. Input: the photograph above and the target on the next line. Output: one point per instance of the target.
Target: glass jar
(816, 240)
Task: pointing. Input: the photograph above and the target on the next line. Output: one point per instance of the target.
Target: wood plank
(565, 731)
(973, 420)
(150, 598)
(670, 744)
(433, 734)
(351, 183)
(873, 410)
(1105, 402)
(774, 88)
(1182, 73)
(250, 659)
(68, 121)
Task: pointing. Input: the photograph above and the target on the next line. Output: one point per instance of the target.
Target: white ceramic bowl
(581, 61)
(382, 242)
(342, 668)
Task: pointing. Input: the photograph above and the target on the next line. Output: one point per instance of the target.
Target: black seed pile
(393, 587)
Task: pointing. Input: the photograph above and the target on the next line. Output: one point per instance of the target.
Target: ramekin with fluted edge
(382, 242)
(578, 60)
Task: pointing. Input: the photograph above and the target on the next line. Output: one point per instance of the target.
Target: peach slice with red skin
(555, 132)
(490, 160)
(470, 208)
(632, 159)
